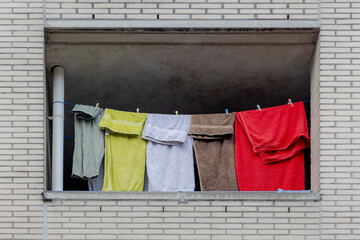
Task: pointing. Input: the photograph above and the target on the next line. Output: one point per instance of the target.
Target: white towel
(169, 153)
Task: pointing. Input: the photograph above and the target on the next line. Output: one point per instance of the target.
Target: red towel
(269, 148)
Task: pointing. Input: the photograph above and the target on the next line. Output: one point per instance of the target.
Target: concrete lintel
(258, 38)
(182, 24)
(179, 196)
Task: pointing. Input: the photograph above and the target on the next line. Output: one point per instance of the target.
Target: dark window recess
(307, 151)
(173, 77)
(70, 184)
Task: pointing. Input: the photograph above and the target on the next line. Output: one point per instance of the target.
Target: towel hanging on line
(269, 148)
(169, 153)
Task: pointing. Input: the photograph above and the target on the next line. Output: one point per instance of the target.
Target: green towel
(125, 150)
(89, 141)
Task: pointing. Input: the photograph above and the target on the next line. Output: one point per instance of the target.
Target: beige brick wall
(21, 119)
(335, 132)
(340, 121)
(182, 9)
(194, 220)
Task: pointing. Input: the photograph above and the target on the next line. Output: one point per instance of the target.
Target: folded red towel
(269, 148)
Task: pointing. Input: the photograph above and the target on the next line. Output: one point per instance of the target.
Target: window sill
(181, 196)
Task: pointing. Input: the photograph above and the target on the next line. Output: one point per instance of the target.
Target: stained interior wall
(186, 72)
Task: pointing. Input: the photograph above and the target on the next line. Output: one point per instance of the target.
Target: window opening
(214, 80)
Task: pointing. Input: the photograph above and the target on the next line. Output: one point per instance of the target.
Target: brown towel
(213, 136)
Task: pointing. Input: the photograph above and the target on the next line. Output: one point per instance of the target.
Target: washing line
(73, 104)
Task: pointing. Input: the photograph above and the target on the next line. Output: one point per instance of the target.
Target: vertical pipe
(58, 129)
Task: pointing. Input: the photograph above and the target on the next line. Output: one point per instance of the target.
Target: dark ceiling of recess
(188, 72)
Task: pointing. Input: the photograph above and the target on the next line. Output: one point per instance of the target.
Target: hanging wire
(72, 104)
(64, 103)
(66, 136)
(68, 103)
(70, 136)
(66, 159)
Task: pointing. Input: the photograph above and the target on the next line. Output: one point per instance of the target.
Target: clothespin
(97, 105)
(290, 102)
(227, 111)
(176, 113)
(258, 107)
(137, 110)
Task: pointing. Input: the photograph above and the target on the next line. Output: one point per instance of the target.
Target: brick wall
(340, 121)
(335, 141)
(21, 119)
(194, 220)
(182, 9)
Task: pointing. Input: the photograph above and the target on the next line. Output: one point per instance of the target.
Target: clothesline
(66, 136)
(72, 104)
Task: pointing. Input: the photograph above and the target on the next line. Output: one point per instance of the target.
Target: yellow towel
(125, 150)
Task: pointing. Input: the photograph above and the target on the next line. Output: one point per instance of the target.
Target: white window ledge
(181, 196)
